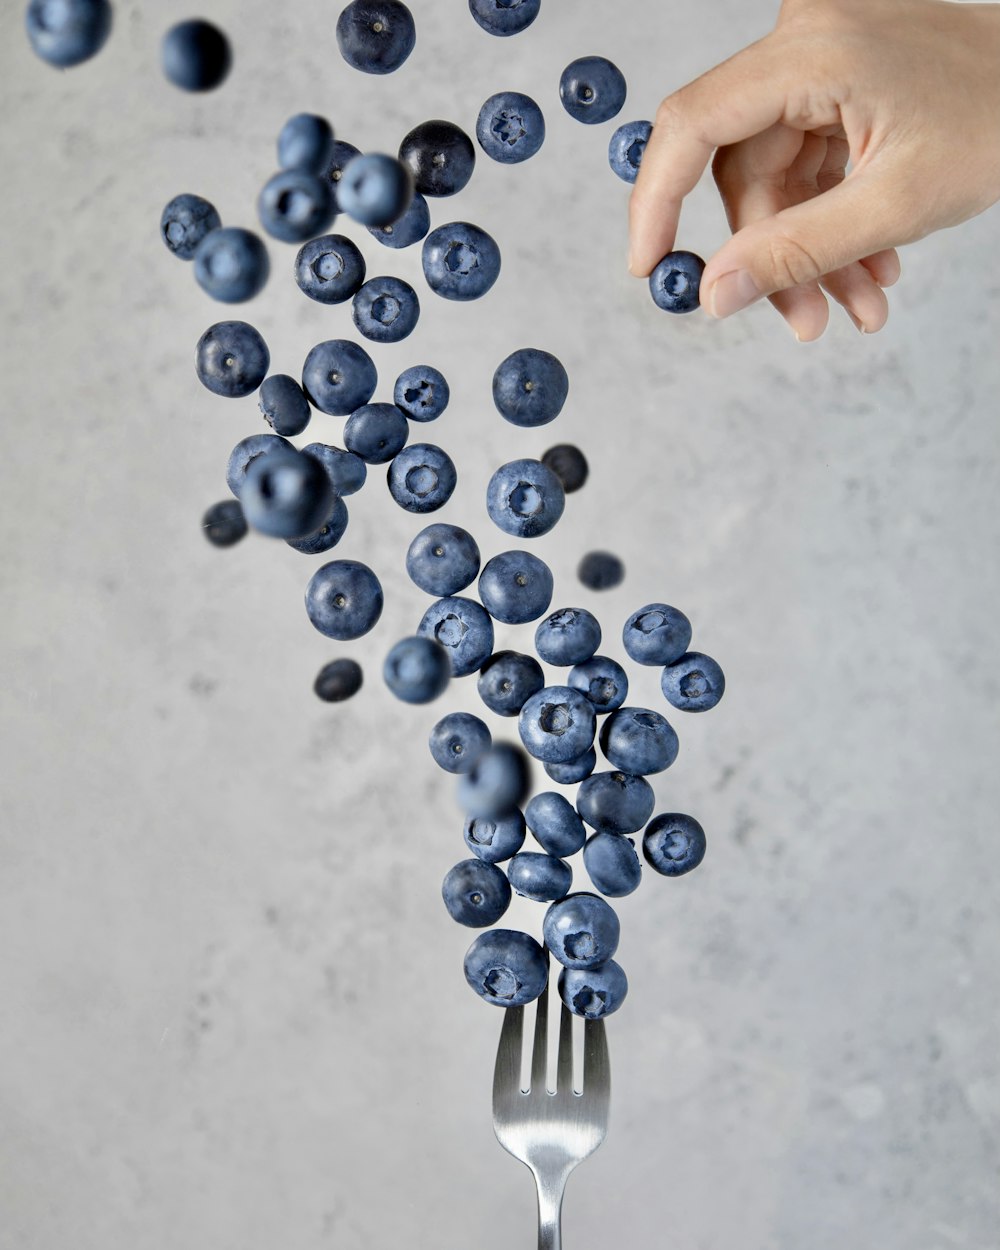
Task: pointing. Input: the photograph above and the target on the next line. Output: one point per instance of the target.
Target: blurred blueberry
(231, 264)
(306, 142)
(569, 464)
(246, 451)
(68, 32)
(295, 205)
(286, 494)
(417, 670)
(375, 189)
(339, 680)
(496, 784)
(600, 570)
(224, 523)
(195, 55)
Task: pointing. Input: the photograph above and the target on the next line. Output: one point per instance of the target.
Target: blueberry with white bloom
(506, 967)
(283, 404)
(224, 523)
(442, 559)
(305, 142)
(295, 205)
(422, 392)
(572, 771)
(330, 533)
(386, 309)
(231, 359)
(675, 283)
(656, 634)
(246, 452)
(601, 570)
(507, 681)
(185, 221)
(615, 802)
(347, 471)
(344, 599)
(569, 464)
(542, 878)
(557, 724)
(568, 636)
(195, 55)
(593, 993)
(339, 377)
(581, 930)
(510, 127)
(460, 261)
(638, 740)
(673, 844)
(376, 432)
(494, 839)
(421, 477)
(68, 32)
(339, 680)
(408, 229)
(496, 784)
(592, 89)
(524, 498)
(231, 264)
(530, 387)
(286, 494)
(693, 683)
(375, 189)
(464, 627)
(556, 824)
(417, 670)
(333, 169)
(515, 587)
(612, 864)
(376, 36)
(440, 156)
(330, 269)
(504, 17)
(476, 893)
(602, 680)
(458, 740)
(626, 148)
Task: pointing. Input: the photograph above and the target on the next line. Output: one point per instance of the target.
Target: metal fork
(550, 1133)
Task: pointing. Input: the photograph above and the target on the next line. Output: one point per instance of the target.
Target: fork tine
(596, 1065)
(564, 1063)
(507, 1072)
(539, 1052)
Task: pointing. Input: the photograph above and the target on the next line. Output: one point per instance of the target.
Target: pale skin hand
(907, 91)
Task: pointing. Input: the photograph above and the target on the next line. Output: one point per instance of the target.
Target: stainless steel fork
(550, 1133)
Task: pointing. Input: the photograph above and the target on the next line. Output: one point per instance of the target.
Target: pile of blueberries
(298, 495)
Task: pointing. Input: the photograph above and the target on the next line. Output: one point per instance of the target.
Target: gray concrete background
(233, 1012)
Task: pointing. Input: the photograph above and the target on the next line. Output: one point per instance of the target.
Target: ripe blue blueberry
(306, 142)
(295, 205)
(615, 802)
(329, 533)
(581, 930)
(376, 432)
(656, 634)
(510, 127)
(524, 498)
(612, 864)
(504, 17)
(408, 229)
(638, 740)
(602, 680)
(374, 189)
(530, 387)
(339, 680)
(556, 824)
(283, 404)
(224, 523)
(339, 376)
(246, 451)
(595, 992)
(195, 55)
(68, 32)
(458, 740)
(592, 89)
(494, 839)
(673, 844)
(231, 264)
(376, 36)
(185, 221)
(570, 773)
(333, 170)
(515, 587)
(231, 359)
(569, 464)
(417, 670)
(557, 724)
(330, 269)
(506, 967)
(462, 626)
(286, 494)
(440, 156)
(460, 261)
(600, 570)
(675, 282)
(507, 681)
(626, 148)
(476, 893)
(422, 392)
(693, 683)
(385, 309)
(421, 477)
(442, 559)
(344, 599)
(496, 784)
(347, 471)
(568, 636)
(542, 878)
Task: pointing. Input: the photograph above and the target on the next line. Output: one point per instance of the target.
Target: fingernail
(858, 325)
(732, 292)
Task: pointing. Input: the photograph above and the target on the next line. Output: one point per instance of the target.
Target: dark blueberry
(306, 142)
(295, 205)
(386, 309)
(638, 740)
(376, 36)
(570, 773)
(615, 802)
(626, 148)
(673, 844)
(506, 967)
(184, 223)
(460, 261)
(569, 464)
(421, 477)
(422, 392)
(557, 724)
(246, 452)
(408, 229)
(476, 893)
(694, 683)
(442, 559)
(515, 587)
(494, 839)
(329, 270)
(504, 17)
(656, 634)
(195, 55)
(602, 680)
(224, 523)
(339, 680)
(600, 570)
(569, 636)
(69, 31)
(556, 824)
(375, 189)
(507, 681)
(464, 627)
(283, 405)
(329, 533)
(524, 498)
(344, 599)
(339, 377)
(612, 864)
(417, 670)
(581, 930)
(675, 282)
(592, 89)
(458, 740)
(496, 784)
(440, 156)
(542, 878)
(286, 494)
(510, 127)
(332, 171)
(347, 471)
(530, 387)
(231, 264)
(595, 992)
(376, 432)
(231, 359)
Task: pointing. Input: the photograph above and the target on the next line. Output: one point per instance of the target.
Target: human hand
(907, 91)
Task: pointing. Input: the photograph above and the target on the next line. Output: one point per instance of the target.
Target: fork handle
(550, 1195)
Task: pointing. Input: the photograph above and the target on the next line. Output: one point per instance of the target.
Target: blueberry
(570, 773)
(376, 36)
(246, 451)
(295, 205)
(346, 470)
(375, 189)
(675, 282)
(496, 838)
(673, 844)
(592, 89)
(508, 680)
(504, 17)
(496, 784)
(458, 740)
(615, 802)
(231, 264)
(506, 967)
(602, 680)
(195, 55)
(421, 477)
(408, 229)
(569, 636)
(612, 864)
(626, 148)
(555, 823)
(340, 153)
(68, 32)
(656, 634)
(417, 670)
(231, 359)
(595, 992)
(386, 309)
(329, 270)
(515, 587)
(600, 570)
(376, 432)
(530, 387)
(339, 377)
(581, 930)
(464, 627)
(510, 127)
(460, 261)
(442, 559)
(283, 404)
(422, 393)
(330, 533)
(224, 523)
(557, 724)
(306, 142)
(344, 599)
(569, 464)
(524, 498)
(440, 156)
(476, 893)
(693, 683)
(185, 221)
(286, 494)
(339, 680)
(539, 877)
(638, 740)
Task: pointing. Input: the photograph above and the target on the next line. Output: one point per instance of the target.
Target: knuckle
(671, 114)
(790, 262)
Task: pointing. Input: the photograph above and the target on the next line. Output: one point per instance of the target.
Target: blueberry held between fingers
(376, 36)
(224, 523)
(569, 464)
(496, 784)
(283, 405)
(442, 559)
(600, 570)
(184, 223)
(673, 844)
(246, 451)
(331, 531)
(676, 281)
(464, 627)
(385, 309)
(344, 599)
(504, 17)
(638, 740)
(376, 432)
(510, 127)
(339, 377)
(195, 55)
(460, 261)
(417, 670)
(568, 636)
(476, 893)
(506, 967)
(592, 89)
(458, 740)
(656, 634)
(693, 683)
(330, 269)
(339, 680)
(347, 471)
(440, 156)
(626, 148)
(69, 32)
(524, 498)
(581, 930)
(530, 387)
(231, 264)
(375, 189)
(422, 392)
(612, 864)
(556, 824)
(231, 359)
(515, 587)
(295, 205)
(542, 878)
(421, 477)
(507, 681)
(495, 838)
(557, 724)
(408, 229)
(286, 494)
(306, 142)
(615, 802)
(593, 993)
